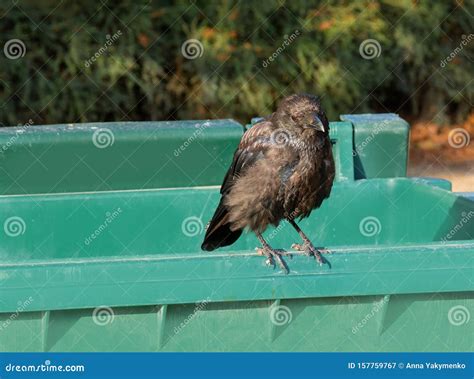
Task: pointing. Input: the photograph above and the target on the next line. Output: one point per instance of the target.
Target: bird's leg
(271, 254)
(307, 246)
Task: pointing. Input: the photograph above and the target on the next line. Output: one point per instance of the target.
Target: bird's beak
(318, 124)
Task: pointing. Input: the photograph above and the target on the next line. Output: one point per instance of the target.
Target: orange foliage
(325, 25)
(208, 32)
(143, 40)
(430, 139)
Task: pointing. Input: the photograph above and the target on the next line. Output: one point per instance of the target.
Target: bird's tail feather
(219, 233)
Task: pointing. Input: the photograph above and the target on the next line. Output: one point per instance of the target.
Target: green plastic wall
(93, 259)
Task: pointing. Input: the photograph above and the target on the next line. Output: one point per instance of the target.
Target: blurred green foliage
(143, 74)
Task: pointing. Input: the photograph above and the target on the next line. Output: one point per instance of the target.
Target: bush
(95, 61)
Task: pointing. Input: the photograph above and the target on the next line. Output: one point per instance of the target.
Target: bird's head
(302, 111)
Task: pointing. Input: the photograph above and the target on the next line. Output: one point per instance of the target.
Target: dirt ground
(460, 175)
(444, 152)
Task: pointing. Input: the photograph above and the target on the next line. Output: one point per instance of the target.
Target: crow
(283, 168)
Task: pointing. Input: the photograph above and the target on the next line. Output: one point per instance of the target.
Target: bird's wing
(252, 147)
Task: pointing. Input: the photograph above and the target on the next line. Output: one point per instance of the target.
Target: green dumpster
(101, 226)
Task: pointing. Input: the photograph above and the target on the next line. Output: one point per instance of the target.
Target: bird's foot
(308, 248)
(274, 255)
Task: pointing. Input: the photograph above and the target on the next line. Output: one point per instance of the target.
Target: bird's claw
(274, 255)
(298, 247)
(311, 251)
